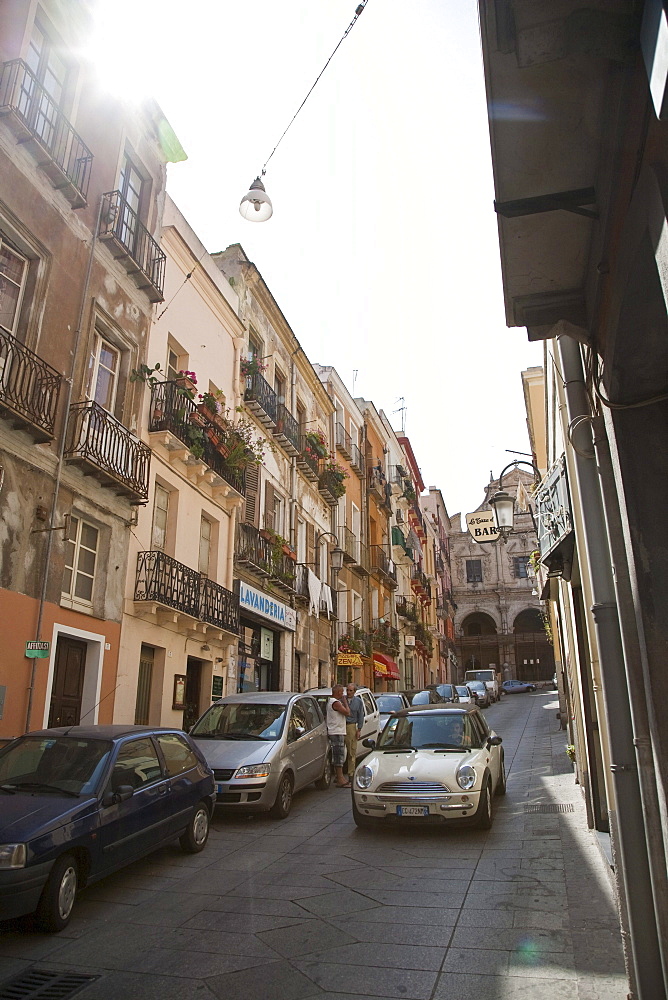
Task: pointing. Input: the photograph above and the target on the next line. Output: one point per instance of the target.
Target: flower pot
(265, 534)
(287, 551)
(186, 384)
(196, 417)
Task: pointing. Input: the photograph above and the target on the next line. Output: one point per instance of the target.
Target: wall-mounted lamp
(336, 555)
(503, 504)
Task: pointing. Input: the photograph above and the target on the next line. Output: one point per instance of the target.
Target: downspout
(634, 867)
(59, 466)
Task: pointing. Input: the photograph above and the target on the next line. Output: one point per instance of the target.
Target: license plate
(412, 810)
(220, 789)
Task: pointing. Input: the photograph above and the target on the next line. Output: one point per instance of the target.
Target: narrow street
(311, 907)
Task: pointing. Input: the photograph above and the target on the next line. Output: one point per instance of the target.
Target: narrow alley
(312, 907)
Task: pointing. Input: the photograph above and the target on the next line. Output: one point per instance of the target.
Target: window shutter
(310, 545)
(269, 506)
(252, 494)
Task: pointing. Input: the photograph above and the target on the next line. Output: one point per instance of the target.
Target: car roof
(328, 690)
(259, 697)
(103, 732)
(442, 709)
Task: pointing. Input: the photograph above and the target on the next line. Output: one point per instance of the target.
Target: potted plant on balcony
(337, 477)
(246, 447)
(212, 406)
(315, 444)
(249, 367)
(187, 382)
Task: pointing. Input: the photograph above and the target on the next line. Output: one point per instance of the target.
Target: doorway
(191, 711)
(68, 682)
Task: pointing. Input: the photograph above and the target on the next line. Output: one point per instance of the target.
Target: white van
(490, 679)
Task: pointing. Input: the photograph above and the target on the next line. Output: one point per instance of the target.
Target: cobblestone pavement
(313, 908)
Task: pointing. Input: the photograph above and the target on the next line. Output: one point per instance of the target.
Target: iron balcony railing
(406, 609)
(307, 460)
(331, 486)
(172, 410)
(351, 638)
(362, 561)
(357, 460)
(424, 637)
(301, 590)
(58, 149)
(377, 483)
(133, 245)
(384, 636)
(348, 542)
(29, 387)
(287, 429)
(381, 562)
(165, 580)
(261, 399)
(344, 442)
(263, 556)
(421, 582)
(97, 440)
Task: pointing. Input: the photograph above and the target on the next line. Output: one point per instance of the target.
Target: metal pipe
(634, 865)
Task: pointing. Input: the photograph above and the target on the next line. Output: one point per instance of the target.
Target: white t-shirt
(336, 721)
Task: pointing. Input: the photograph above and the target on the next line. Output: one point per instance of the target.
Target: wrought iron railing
(381, 561)
(259, 391)
(120, 223)
(348, 542)
(356, 459)
(424, 637)
(263, 556)
(28, 386)
(173, 410)
(384, 636)
(331, 486)
(351, 638)
(406, 609)
(377, 483)
(22, 94)
(308, 460)
(167, 581)
(344, 442)
(287, 427)
(362, 560)
(420, 581)
(97, 438)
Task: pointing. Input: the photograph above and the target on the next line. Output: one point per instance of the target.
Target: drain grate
(544, 807)
(41, 984)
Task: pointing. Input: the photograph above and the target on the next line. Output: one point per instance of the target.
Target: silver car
(388, 702)
(263, 746)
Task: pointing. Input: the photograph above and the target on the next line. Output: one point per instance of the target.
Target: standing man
(354, 724)
(337, 713)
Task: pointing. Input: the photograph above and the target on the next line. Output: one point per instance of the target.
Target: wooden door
(68, 682)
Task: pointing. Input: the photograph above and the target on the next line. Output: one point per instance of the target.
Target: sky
(382, 251)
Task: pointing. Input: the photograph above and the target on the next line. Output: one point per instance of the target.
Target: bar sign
(37, 649)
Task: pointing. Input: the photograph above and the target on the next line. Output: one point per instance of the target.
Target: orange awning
(384, 666)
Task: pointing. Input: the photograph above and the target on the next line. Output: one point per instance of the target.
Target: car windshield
(389, 702)
(480, 675)
(53, 764)
(477, 685)
(452, 731)
(241, 721)
(463, 692)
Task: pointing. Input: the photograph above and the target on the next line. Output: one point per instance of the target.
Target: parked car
(264, 746)
(480, 692)
(465, 696)
(388, 702)
(518, 687)
(424, 697)
(489, 677)
(446, 692)
(433, 764)
(79, 802)
(371, 727)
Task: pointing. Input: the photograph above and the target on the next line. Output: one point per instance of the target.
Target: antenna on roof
(355, 374)
(92, 709)
(402, 411)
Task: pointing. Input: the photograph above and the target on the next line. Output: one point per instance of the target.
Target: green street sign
(36, 649)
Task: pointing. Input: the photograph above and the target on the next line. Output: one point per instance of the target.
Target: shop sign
(266, 607)
(482, 526)
(553, 510)
(37, 649)
(409, 640)
(216, 688)
(349, 660)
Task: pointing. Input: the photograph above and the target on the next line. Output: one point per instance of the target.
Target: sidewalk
(312, 908)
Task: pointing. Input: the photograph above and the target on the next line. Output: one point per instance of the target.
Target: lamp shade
(336, 559)
(503, 506)
(255, 206)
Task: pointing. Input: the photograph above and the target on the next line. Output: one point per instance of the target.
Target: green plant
(337, 476)
(251, 366)
(195, 441)
(570, 752)
(147, 374)
(409, 491)
(213, 402)
(547, 627)
(316, 444)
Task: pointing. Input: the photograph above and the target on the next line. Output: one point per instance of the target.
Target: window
(356, 521)
(130, 186)
(312, 712)
(299, 724)
(174, 365)
(103, 373)
(204, 546)
(40, 105)
(160, 513)
(178, 755)
(369, 707)
(254, 348)
(80, 558)
(301, 541)
(279, 386)
(13, 274)
(521, 567)
(474, 570)
(322, 562)
(137, 764)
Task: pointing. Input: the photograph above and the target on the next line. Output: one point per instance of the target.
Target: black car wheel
(501, 785)
(194, 839)
(483, 815)
(57, 900)
(283, 803)
(325, 781)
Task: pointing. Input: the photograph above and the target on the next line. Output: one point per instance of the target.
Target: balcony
(262, 557)
(421, 584)
(380, 563)
(261, 400)
(399, 542)
(362, 563)
(424, 638)
(308, 461)
(330, 487)
(356, 461)
(406, 609)
(302, 592)
(344, 442)
(29, 388)
(286, 431)
(384, 637)
(351, 638)
(162, 580)
(349, 543)
(178, 419)
(376, 484)
(107, 450)
(416, 519)
(39, 125)
(131, 243)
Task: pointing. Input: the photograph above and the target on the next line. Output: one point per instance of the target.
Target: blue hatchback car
(78, 803)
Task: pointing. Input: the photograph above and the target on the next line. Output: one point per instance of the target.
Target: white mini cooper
(432, 763)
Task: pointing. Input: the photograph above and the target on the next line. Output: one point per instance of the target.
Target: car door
(132, 828)
(184, 774)
(317, 737)
(299, 745)
(492, 753)
(371, 726)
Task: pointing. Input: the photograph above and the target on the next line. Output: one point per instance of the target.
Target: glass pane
(89, 536)
(178, 755)
(9, 298)
(69, 554)
(35, 49)
(11, 265)
(84, 587)
(137, 764)
(104, 388)
(86, 561)
(108, 356)
(67, 581)
(72, 530)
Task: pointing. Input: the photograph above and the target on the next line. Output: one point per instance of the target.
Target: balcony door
(131, 183)
(103, 373)
(42, 93)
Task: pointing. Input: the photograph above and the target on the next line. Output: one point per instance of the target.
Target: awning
(384, 666)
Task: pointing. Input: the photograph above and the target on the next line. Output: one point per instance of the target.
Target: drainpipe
(634, 868)
(61, 452)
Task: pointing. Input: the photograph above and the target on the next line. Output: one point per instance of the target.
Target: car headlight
(466, 776)
(364, 776)
(12, 855)
(253, 771)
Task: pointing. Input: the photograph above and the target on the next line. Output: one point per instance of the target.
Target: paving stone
(472, 986)
(302, 939)
(333, 903)
(225, 921)
(430, 935)
(337, 978)
(485, 960)
(413, 915)
(278, 979)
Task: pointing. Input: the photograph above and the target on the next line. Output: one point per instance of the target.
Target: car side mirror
(494, 741)
(122, 793)
(369, 743)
